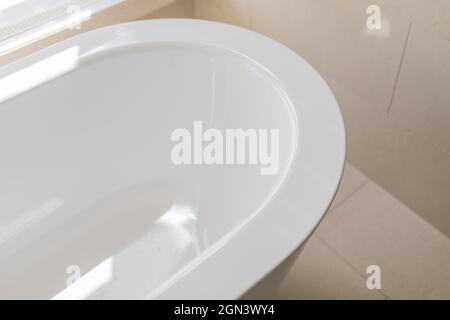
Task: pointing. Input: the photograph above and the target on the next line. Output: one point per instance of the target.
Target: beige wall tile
(422, 98)
(319, 273)
(229, 11)
(373, 228)
(431, 14)
(352, 180)
(178, 9)
(332, 35)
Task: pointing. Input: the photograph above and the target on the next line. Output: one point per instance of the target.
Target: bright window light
(9, 3)
(25, 21)
(95, 279)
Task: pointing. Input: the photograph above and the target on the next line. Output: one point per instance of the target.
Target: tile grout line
(350, 194)
(399, 68)
(417, 215)
(348, 263)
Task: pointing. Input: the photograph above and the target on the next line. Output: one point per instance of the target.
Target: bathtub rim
(205, 275)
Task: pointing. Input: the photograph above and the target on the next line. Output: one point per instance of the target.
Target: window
(25, 21)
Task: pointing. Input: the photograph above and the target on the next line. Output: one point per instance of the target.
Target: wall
(393, 84)
(123, 12)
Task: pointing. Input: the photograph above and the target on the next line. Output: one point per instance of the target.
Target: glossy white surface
(86, 177)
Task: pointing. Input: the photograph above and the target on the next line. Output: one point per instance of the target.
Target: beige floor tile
(319, 273)
(373, 228)
(351, 181)
(422, 98)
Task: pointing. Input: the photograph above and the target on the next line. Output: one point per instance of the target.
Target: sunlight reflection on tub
(93, 280)
(144, 264)
(29, 219)
(38, 73)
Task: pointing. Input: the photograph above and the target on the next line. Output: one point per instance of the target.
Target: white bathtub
(88, 187)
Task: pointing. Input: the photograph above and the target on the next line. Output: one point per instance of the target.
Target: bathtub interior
(87, 185)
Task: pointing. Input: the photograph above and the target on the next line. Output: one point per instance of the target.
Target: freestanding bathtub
(92, 204)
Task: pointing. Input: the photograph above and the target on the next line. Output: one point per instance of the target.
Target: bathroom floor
(368, 226)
